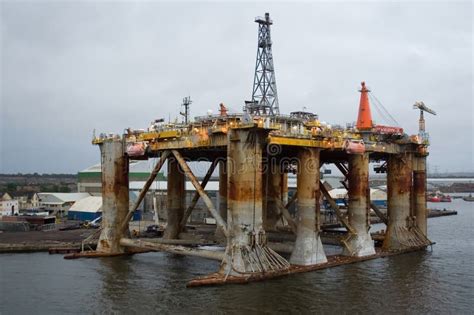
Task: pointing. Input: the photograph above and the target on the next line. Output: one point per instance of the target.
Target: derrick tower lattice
(264, 94)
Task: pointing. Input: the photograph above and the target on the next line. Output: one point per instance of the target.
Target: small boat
(445, 198)
(433, 198)
(438, 197)
(468, 198)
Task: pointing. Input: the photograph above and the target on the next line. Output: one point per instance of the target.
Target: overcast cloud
(70, 67)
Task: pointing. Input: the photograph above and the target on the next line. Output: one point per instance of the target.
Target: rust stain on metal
(333, 261)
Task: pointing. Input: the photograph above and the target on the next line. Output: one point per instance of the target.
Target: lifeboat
(136, 149)
(354, 146)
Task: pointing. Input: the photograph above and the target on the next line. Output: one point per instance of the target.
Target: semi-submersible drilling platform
(254, 151)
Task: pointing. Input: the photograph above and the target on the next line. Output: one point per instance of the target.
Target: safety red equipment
(364, 119)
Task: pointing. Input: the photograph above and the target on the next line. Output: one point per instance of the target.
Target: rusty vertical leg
(308, 248)
(284, 187)
(175, 199)
(115, 198)
(359, 244)
(419, 189)
(274, 197)
(402, 232)
(246, 251)
(222, 196)
(265, 182)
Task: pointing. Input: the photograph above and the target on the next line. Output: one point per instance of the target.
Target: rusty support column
(175, 198)
(115, 198)
(308, 248)
(284, 187)
(419, 189)
(222, 196)
(246, 251)
(359, 244)
(273, 189)
(402, 232)
(145, 189)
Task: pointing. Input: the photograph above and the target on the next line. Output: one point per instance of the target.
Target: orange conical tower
(364, 120)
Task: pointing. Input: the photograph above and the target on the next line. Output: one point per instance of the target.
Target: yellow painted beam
(305, 142)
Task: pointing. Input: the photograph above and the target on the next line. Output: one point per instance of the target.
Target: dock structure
(254, 151)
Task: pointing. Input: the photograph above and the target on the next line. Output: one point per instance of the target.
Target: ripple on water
(437, 282)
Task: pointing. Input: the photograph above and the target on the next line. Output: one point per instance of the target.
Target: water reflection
(441, 281)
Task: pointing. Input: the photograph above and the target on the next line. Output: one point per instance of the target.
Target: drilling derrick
(254, 151)
(264, 94)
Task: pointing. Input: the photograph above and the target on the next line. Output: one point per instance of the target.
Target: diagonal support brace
(189, 174)
(195, 199)
(334, 205)
(145, 188)
(284, 212)
(376, 209)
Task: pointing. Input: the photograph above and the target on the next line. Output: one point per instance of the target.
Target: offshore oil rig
(254, 151)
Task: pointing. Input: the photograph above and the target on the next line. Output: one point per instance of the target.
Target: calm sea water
(438, 281)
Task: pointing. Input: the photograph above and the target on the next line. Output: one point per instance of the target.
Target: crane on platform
(421, 128)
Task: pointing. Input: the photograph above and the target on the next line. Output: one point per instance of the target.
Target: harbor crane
(423, 108)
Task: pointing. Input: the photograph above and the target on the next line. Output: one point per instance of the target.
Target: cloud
(70, 67)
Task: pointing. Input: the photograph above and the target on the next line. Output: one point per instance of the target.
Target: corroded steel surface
(175, 198)
(333, 261)
(308, 248)
(402, 231)
(223, 189)
(359, 244)
(284, 188)
(246, 251)
(222, 197)
(115, 198)
(419, 190)
(272, 184)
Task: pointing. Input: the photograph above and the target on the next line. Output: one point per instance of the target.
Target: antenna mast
(186, 102)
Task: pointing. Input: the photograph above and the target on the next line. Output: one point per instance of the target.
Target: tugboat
(433, 198)
(468, 198)
(438, 197)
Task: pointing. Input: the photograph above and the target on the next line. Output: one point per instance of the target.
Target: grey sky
(70, 67)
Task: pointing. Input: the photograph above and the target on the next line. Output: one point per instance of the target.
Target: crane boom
(421, 106)
(421, 129)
